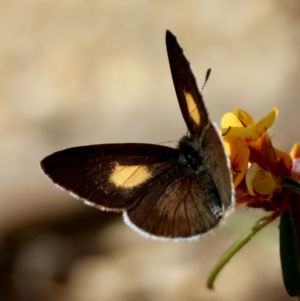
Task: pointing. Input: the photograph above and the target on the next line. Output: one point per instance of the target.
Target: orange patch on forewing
(192, 107)
(129, 176)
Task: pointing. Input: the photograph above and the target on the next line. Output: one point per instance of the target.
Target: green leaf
(291, 184)
(289, 254)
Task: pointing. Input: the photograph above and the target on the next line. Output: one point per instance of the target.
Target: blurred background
(88, 72)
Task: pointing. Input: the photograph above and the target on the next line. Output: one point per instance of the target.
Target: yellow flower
(242, 126)
(264, 177)
(257, 167)
(239, 157)
(240, 132)
(284, 157)
(232, 127)
(260, 181)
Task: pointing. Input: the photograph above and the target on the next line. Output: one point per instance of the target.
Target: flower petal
(242, 133)
(239, 157)
(285, 157)
(266, 122)
(245, 118)
(230, 120)
(264, 182)
(250, 175)
(259, 180)
(264, 145)
(295, 152)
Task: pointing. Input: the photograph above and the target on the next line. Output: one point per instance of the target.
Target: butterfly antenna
(165, 142)
(206, 78)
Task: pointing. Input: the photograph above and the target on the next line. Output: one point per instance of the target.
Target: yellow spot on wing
(129, 176)
(192, 107)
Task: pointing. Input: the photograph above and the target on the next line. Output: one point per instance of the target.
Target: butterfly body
(163, 192)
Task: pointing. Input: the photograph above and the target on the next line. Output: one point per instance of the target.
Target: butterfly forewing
(179, 210)
(108, 175)
(189, 98)
(208, 151)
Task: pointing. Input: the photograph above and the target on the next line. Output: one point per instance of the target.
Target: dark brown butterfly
(164, 193)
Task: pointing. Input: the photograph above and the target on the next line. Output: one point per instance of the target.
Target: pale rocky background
(88, 72)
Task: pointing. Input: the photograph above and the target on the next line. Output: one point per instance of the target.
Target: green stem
(235, 248)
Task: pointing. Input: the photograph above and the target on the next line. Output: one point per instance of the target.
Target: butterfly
(163, 192)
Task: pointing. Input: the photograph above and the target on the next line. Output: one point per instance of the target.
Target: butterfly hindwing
(177, 208)
(219, 166)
